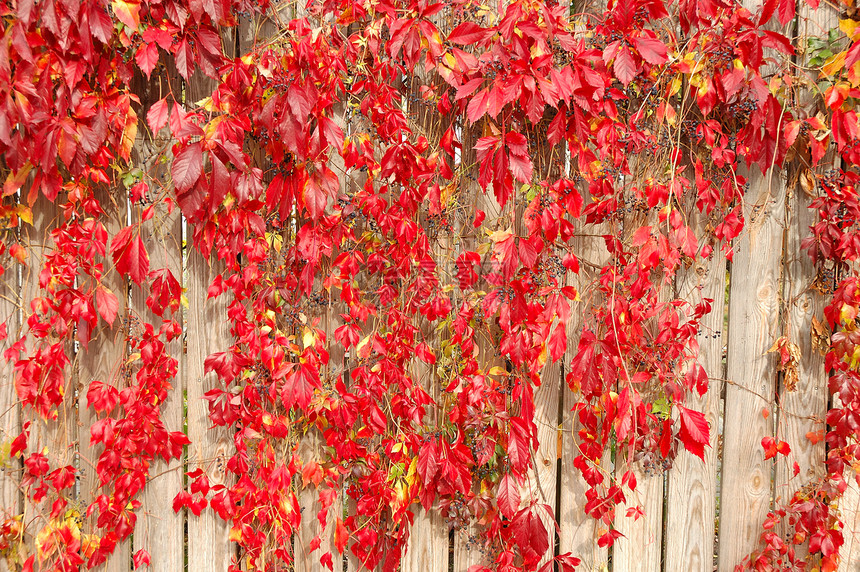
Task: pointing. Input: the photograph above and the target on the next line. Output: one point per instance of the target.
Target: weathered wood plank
(692, 485)
(541, 483)
(160, 530)
(849, 506)
(10, 410)
(55, 438)
(641, 548)
(803, 397)
(428, 539)
(207, 332)
(579, 532)
(753, 326)
(103, 361)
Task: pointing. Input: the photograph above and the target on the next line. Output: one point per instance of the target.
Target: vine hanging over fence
(396, 197)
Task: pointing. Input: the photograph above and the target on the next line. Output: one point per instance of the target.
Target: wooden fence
(699, 516)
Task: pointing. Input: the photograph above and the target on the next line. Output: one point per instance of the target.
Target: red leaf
(107, 304)
(158, 114)
(777, 41)
(187, 167)
(468, 33)
(102, 397)
(695, 432)
(558, 342)
(508, 496)
(521, 168)
(129, 255)
(341, 536)
(313, 198)
(299, 386)
(146, 58)
(652, 50)
(625, 67)
(786, 11)
(141, 558)
(184, 59)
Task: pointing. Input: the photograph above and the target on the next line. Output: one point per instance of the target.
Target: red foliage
(573, 135)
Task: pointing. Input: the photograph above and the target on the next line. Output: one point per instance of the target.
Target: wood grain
(10, 410)
(849, 506)
(103, 361)
(753, 326)
(579, 531)
(160, 530)
(207, 332)
(692, 483)
(56, 438)
(804, 407)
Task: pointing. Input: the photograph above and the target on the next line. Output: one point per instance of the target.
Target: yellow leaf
(128, 136)
(25, 214)
(848, 26)
(127, 12)
(236, 534)
(834, 64)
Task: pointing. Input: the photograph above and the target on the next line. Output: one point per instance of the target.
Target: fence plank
(428, 539)
(692, 484)
(542, 475)
(578, 531)
(753, 326)
(10, 411)
(849, 506)
(103, 361)
(803, 400)
(160, 530)
(55, 438)
(428, 543)
(804, 407)
(207, 332)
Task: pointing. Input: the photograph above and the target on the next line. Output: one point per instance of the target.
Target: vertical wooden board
(541, 483)
(207, 331)
(102, 361)
(641, 549)
(10, 411)
(804, 406)
(579, 532)
(428, 543)
(692, 484)
(55, 438)
(160, 530)
(849, 507)
(753, 326)
(468, 541)
(427, 549)
(309, 528)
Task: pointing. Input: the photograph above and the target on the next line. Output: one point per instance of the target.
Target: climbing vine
(418, 208)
